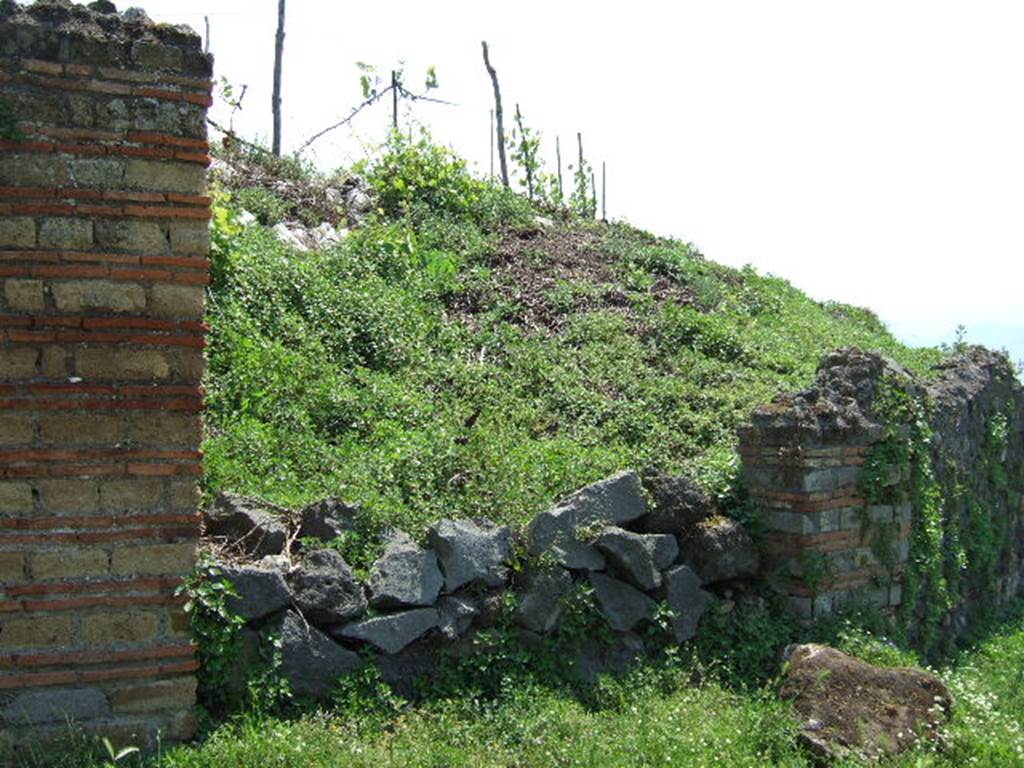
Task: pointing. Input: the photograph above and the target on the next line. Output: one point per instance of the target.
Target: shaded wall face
(977, 457)
(877, 485)
(103, 265)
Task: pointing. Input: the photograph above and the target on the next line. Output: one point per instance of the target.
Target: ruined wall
(894, 488)
(976, 451)
(803, 457)
(103, 263)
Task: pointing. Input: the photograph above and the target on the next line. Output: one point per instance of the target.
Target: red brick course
(102, 275)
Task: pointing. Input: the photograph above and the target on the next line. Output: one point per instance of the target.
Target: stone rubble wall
(103, 266)
(418, 600)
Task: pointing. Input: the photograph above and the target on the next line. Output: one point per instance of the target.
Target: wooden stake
(580, 182)
(492, 145)
(558, 160)
(604, 192)
(206, 46)
(275, 103)
(394, 100)
(497, 115)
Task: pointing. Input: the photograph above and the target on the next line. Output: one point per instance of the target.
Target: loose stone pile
(418, 599)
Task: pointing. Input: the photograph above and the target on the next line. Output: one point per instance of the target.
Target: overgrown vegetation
(956, 541)
(504, 707)
(9, 128)
(215, 630)
(455, 356)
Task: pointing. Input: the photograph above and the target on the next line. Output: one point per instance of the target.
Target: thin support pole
(604, 192)
(558, 160)
(394, 100)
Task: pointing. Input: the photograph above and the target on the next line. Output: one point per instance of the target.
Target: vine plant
(525, 145)
(9, 129)
(215, 628)
(948, 559)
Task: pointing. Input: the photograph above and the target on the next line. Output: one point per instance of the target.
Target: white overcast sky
(870, 152)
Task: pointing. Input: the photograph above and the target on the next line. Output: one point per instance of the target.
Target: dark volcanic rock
(245, 664)
(638, 557)
(623, 606)
(471, 553)
(540, 603)
(327, 519)
(405, 576)
(455, 615)
(598, 657)
(405, 669)
(855, 709)
(391, 633)
(247, 523)
(261, 592)
(678, 505)
(310, 660)
(561, 531)
(326, 590)
(687, 601)
(720, 549)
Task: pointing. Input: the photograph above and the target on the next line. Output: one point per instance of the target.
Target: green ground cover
(457, 357)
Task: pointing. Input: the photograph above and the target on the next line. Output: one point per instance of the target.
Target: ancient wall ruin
(103, 263)
(874, 483)
(876, 487)
(880, 485)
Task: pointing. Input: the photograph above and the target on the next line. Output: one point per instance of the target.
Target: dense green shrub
(396, 369)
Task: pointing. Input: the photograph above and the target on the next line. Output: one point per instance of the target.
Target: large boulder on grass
(405, 576)
(565, 532)
(852, 709)
(326, 590)
(246, 524)
(472, 553)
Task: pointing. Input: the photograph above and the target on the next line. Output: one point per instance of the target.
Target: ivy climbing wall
(900, 491)
(103, 267)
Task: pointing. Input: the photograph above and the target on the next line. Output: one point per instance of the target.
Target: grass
(454, 357)
(533, 728)
(655, 715)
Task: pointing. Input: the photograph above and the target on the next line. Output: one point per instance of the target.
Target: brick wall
(820, 531)
(803, 457)
(103, 262)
